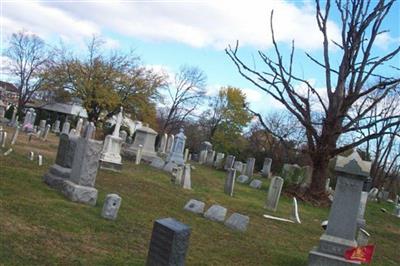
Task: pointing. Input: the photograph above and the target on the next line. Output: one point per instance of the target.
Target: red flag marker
(361, 254)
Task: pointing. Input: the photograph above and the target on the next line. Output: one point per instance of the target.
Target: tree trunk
(316, 190)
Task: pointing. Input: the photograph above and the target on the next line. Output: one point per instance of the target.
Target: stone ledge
(72, 191)
(316, 258)
(116, 167)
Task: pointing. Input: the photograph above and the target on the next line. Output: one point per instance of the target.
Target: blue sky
(167, 34)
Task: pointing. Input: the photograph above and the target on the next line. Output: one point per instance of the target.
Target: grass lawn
(38, 226)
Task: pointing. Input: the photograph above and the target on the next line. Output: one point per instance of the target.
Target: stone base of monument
(316, 258)
(117, 167)
(169, 166)
(72, 191)
(130, 154)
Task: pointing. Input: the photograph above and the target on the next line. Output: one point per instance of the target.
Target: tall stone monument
(143, 136)
(341, 231)
(110, 156)
(274, 193)
(75, 170)
(176, 154)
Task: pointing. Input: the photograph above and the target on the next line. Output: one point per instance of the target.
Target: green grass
(38, 226)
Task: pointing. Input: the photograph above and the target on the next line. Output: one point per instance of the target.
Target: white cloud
(384, 40)
(199, 24)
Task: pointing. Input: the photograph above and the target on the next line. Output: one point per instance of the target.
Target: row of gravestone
(218, 213)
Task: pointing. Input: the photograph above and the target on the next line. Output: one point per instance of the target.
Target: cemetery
(103, 217)
(172, 133)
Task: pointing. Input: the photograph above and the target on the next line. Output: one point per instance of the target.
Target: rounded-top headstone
(111, 206)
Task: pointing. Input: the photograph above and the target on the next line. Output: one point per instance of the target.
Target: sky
(168, 34)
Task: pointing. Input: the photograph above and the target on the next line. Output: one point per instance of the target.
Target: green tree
(226, 119)
(104, 81)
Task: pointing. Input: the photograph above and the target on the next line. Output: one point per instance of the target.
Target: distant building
(8, 93)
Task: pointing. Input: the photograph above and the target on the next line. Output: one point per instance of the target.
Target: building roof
(69, 109)
(8, 86)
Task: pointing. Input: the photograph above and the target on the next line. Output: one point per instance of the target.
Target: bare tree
(28, 56)
(347, 83)
(185, 94)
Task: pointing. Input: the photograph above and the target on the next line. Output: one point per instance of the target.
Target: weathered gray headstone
(65, 128)
(163, 143)
(230, 182)
(210, 158)
(203, 157)
(123, 135)
(361, 209)
(170, 143)
(237, 222)
(42, 125)
(177, 173)
(79, 126)
(238, 166)
(216, 213)
(157, 163)
(169, 243)
(230, 159)
(242, 179)
(250, 166)
(186, 155)
(274, 193)
(111, 207)
(373, 193)
(139, 154)
(340, 234)
(255, 183)
(266, 170)
(195, 206)
(46, 132)
(219, 160)
(4, 139)
(15, 136)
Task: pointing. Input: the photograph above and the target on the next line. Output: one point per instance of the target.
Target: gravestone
(238, 166)
(186, 177)
(46, 132)
(15, 136)
(163, 143)
(8, 152)
(274, 193)
(177, 173)
(170, 143)
(186, 155)
(210, 158)
(143, 136)
(56, 127)
(230, 159)
(139, 155)
(361, 209)
(176, 153)
(340, 233)
(157, 163)
(169, 243)
(195, 206)
(205, 146)
(250, 167)
(14, 117)
(65, 128)
(230, 182)
(3, 139)
(237, 222)
(266, 170)
(79, 125)
(373, 193)
(243, 179)
(31, 155)
(219, 160)
(77, 182)
(244, 168)
(203, 157)
(29, 120)
(42, 125)
(255, 183)
(216, 213)
(111, 207)
(40, 160)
